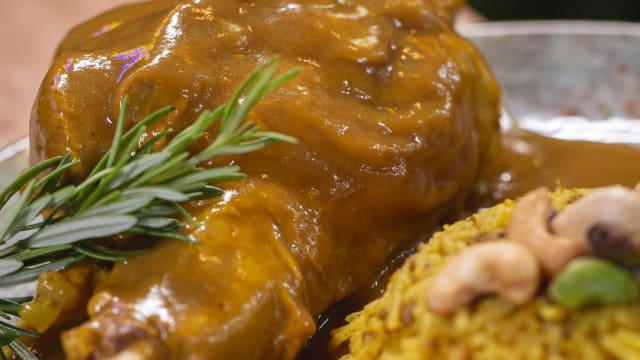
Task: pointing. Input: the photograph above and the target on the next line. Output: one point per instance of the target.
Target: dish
(507, 95)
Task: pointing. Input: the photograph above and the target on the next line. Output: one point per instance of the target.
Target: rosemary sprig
(132, 190)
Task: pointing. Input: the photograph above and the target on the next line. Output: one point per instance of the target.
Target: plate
(13, 159)
(575, 80)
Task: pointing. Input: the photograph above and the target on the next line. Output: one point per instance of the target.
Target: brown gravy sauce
(526, 161)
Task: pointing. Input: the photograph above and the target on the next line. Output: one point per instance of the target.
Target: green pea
(593, 282)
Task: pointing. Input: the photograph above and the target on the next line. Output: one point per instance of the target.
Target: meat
(393, 111)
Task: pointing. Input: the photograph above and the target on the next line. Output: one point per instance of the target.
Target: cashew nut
(529, 227)
(608, 220)
(500, 267)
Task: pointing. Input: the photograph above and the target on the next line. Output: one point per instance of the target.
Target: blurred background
(30, 30)
(628, 10)
(29, 33)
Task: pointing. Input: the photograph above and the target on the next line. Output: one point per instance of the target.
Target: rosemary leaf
(97, 254)
(137, 167)
(149, 145)
(110, 251)
(158, 210)
(115, 147)
(27, 176)
(31, 273)
(48, 183)
(71, 231)
(173, 168)
(12, 305)
(194, 131)
(90, 182)
(22, 351)
(8, 266)
(226, 150)
(129, 148)
(255, 93)
(218, 175)
(31, 253)
(275, 137)
(158, 192)
(10, 328)
(205, 193)
(163, 234)
(33, 210)
(159, 114)
(158, 223)
(61, 196)
(9, 214)
(125, 206)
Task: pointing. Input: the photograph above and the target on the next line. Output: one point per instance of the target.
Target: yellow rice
(399, 325)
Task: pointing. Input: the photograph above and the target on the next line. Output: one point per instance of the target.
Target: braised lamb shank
(393, 112)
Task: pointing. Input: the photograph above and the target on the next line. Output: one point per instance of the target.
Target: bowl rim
(13, 149)
(549, 27)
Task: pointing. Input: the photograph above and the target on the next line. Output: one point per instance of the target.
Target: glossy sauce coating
(393, 112)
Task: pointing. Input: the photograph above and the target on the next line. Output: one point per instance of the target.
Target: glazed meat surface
(393, 112)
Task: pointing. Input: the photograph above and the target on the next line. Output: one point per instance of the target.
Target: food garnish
(46, 225)
(583, 250)
(607, 221)
(496, 267)
(529, 227)
(590, 281)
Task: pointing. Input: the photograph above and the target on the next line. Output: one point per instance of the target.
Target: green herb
(591, 281)
(132, 190)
